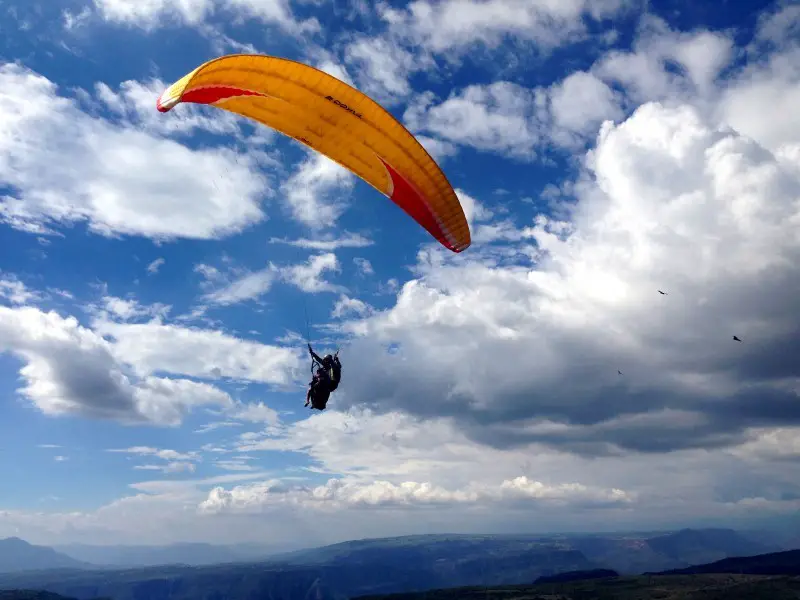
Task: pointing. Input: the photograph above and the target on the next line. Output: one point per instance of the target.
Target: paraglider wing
(336, 120)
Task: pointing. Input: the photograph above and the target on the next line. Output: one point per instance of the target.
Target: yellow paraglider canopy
(336, 120)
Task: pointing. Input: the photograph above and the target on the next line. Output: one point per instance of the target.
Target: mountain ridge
(18, 555)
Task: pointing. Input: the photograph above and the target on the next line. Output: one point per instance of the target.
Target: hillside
(33, 595)
(577, 576)
(675, 587)
(19, 555)
(632, 554)
(774, 576)
(775, 563)
(698, 546)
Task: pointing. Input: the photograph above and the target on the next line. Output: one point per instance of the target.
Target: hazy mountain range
(186, 554)
(379, 566)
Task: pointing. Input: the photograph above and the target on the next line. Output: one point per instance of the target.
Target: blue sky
(156, 272)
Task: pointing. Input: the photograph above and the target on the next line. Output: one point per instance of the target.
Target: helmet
(328, 359)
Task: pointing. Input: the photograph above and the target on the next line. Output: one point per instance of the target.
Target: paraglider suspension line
(308, 333)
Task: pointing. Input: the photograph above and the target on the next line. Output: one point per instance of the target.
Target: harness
(316, 364)
(325, 390)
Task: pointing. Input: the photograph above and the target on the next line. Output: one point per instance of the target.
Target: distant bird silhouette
(618, 371)
(663, 293)
(737, 339)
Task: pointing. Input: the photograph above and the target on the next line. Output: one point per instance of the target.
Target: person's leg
(309, 393)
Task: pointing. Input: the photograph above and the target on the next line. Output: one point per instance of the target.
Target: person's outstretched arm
(314, 355)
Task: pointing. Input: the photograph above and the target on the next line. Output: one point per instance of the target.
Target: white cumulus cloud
(117, 179)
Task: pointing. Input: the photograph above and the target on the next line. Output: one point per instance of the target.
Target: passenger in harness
(325, 380)
(318, 390)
